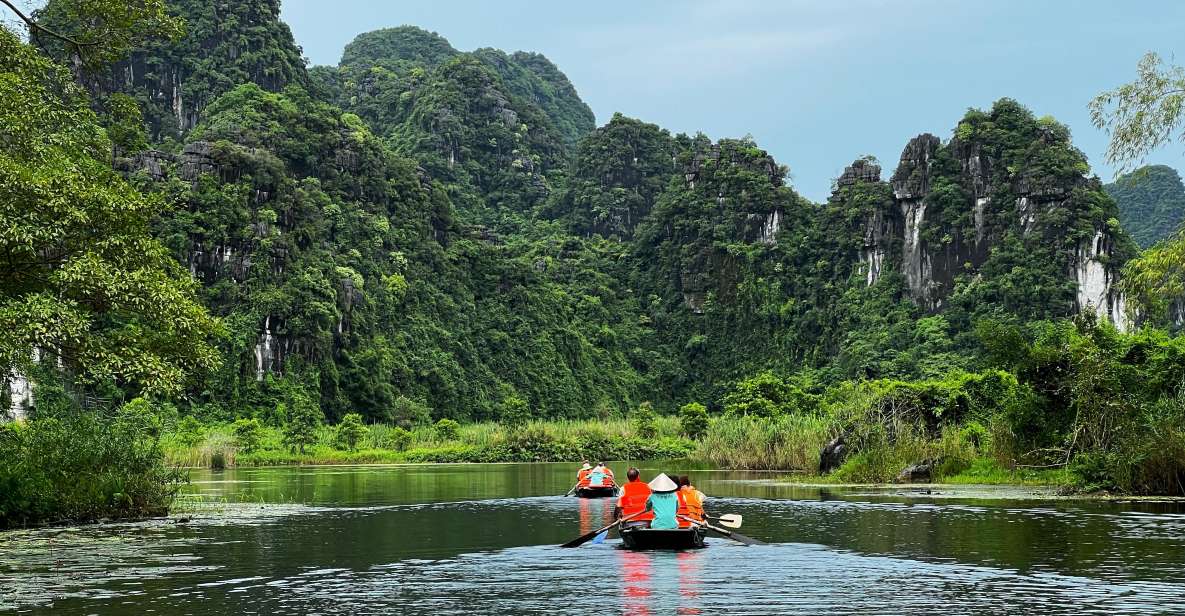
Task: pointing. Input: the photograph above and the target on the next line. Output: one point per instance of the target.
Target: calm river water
(480, 539)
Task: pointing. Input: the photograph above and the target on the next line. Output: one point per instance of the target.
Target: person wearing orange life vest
(691, 503)
(632, 501)
(601, 477)
(582, 474)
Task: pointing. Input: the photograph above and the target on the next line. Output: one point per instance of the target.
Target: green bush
(80, 467)
(447, 429)
(189, 431)
(645, 421)
(349, 431)
(408, 413)
(248, 434)
(515, 411)
(693, 419)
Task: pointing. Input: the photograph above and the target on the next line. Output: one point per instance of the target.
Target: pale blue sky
(815, 83)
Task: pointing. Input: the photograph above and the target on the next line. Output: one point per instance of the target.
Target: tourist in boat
(663, 502)
(600, 477)
(632, 501)
(582, 474)
(691, 503)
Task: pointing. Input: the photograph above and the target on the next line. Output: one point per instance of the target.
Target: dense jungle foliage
(421, 236)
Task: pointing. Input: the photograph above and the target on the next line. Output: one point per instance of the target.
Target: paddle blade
(582, 539)
(735, 536)
(601, 537)
(730, 520)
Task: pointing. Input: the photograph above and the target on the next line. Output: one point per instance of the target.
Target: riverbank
(224, 445)
(782, 446)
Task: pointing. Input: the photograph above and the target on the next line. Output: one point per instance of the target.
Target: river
(452, 539)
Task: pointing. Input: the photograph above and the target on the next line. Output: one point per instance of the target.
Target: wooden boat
(599, 492)
(641, 538)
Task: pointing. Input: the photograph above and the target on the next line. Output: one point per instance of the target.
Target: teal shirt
(597, 479)
(665, 505)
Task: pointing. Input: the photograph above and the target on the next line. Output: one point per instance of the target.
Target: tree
(81, 279)
(248, 433)
(1141, 116)
(304, 416)
(95, 33)
(645, 421)
(350, 431)
(693, 418)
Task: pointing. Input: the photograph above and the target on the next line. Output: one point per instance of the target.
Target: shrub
(408, 413)
(139, 416)
(767, 395)
(349, 431)
(400, 438)
(515, 411)
(248, 433)
(81, 467)
(189, 431)
(693, 419)
(645, 421)
(447, 429)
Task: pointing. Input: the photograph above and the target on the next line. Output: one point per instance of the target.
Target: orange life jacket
(691, 505)
(633, 500)
(582, 477)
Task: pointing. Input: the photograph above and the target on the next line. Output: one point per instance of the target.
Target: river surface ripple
(481, 539)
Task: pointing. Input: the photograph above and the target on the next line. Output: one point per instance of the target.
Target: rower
(691, 503)
(600, 477)
(663, 502)
(633, 500)
(582, 474)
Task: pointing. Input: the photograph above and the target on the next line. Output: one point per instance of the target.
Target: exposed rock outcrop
(922, 472)
(833, 455)
(953, 204)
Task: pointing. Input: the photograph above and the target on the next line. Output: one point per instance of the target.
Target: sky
(817, 84)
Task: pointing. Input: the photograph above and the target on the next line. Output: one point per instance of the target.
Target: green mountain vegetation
(421, 235)
(1151, 202)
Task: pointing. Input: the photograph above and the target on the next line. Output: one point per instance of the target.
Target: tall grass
(562, 440)
(791, 442)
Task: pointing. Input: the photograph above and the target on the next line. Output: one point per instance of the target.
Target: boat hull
(662, 539)
(603, 492)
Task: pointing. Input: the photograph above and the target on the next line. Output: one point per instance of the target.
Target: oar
(728, 520)
(569, 492)
(735, 536)
(582, 539)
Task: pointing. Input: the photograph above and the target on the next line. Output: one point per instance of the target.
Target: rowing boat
(640, 538)
(597, 492)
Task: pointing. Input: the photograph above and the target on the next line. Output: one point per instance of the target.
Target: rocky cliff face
(226, 43)
(958, 209)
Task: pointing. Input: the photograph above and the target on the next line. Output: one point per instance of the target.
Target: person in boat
(632, 501)
(582, 474)
(600, 477)
(691, 503)
(663, 502)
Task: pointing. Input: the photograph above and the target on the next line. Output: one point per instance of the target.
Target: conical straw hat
(662, 483)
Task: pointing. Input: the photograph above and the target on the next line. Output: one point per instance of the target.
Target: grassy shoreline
(788, 446)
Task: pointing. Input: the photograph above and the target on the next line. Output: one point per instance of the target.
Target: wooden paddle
(582, 539)
(573, 490)
(728, 520)
(728, 534)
